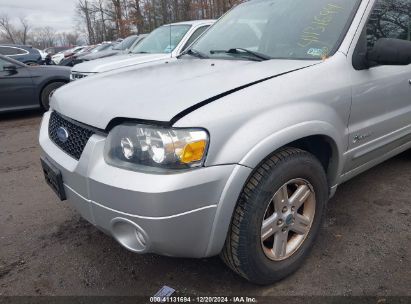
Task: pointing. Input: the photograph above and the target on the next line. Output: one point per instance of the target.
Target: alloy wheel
(288, 219)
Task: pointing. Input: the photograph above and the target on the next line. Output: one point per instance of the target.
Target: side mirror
(387, 51)
(9, 67)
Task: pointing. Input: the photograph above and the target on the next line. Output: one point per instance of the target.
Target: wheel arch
(45, 84)
(319, 138)
(323, 145)
(324, 149)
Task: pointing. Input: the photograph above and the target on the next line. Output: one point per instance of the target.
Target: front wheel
(277, 217)
(47, 92)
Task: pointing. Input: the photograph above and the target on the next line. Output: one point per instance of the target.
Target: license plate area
(53, 178)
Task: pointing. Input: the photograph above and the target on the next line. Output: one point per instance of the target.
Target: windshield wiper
(242, 51)
(194, 53)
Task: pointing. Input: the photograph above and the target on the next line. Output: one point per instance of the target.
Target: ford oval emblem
(62, 134)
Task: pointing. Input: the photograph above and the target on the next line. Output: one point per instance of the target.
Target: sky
(59, 14)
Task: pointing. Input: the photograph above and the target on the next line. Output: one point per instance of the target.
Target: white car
(60, 56)
(43, 54)
(167, 41)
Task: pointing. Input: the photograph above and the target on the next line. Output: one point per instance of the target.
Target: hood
(117, 62)
(50, 70)
(161, 92)
(102, 54)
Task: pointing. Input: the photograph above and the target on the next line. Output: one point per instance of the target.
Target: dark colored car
(24, 87)
(68, 61)
(51, 51)
(23, 53)
(120, 48)
(74, 51)
(73, 60)
(56, 49)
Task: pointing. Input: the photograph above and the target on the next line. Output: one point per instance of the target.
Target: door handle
(409, 81)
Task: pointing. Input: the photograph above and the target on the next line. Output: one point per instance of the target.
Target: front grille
(77, 135)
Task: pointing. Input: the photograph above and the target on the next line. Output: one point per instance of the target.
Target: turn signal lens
(193, 152)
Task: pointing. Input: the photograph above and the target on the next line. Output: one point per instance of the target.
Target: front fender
(293, 133)
(252, 159)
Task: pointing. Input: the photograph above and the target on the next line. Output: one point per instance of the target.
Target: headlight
(142, 147)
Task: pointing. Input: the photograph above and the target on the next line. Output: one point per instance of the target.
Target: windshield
(159, 42)
(75, 51)
(125, 44)
(284, 29)
(102, 47)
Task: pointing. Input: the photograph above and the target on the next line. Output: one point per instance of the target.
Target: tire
(31, 63)
(46, 93)
(245, 252)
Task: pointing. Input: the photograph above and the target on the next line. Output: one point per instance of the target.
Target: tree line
(22, 32)
(107, 20)
(110, 19)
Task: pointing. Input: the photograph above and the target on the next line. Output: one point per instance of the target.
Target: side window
(20, 51)
(4, 50)
(390, 19)
(10, 51)
(2, 64)
(197, 33)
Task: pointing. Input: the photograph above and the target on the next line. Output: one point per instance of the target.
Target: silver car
(235, 148)
(162, 45)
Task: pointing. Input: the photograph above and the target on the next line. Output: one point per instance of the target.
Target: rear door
(380, 120)
(16, 88)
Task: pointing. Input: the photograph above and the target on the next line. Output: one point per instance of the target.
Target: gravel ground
(364, 247)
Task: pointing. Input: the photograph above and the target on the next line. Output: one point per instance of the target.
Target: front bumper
(184, 214)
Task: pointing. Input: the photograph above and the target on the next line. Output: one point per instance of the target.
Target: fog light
(130, 235)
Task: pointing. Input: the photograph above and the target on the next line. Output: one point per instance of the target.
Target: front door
(16, 88)
(380, 119)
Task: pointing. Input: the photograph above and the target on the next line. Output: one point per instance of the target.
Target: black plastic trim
(84, 126)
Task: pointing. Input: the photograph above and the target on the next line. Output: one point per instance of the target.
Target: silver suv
(235, 148)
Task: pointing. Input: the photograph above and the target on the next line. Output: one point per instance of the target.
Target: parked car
(23, 53)
(24, 87)
(51, 51)
(77, 58)
(120, 48)
(56, 49)
(236, 147)
(60, 56)
(69, 61)
(43, 55)
(165, 42)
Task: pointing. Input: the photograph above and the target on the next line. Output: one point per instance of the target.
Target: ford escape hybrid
(235, 148)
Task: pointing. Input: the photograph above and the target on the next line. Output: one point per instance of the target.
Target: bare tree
(7, 29)
(23, 33)
(99, 6)
(111, 19)
(137, 15)
(68, 39)
(85, 11)
(44, 37)
(118, 14)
